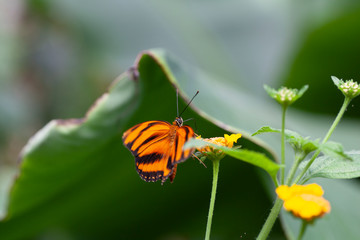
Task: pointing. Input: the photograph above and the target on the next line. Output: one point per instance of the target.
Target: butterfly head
(178, 121)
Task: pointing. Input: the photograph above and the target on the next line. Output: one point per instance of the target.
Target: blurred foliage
(333, 50)
(60, 56)
(75, 172)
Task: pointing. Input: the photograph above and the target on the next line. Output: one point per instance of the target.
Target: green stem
(298, 159)
(216, 165)
(270, 220)
(302, 230)
(337, 119)
(306, 167)
(326, 138)
(282, 174)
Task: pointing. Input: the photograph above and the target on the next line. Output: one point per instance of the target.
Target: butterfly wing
(157, 148)
(183, 134)
(149, 143)
(178, 154)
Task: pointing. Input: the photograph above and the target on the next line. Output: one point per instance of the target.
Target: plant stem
(282, 174)
(337, 119)
(306, 167)
(302, 230)
(270, 220)
(298, 159)
(216, 165)
(326, 138)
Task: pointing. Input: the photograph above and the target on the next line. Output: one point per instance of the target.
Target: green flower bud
(349, 88)
(285, 96)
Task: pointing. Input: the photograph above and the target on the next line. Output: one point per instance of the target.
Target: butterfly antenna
(188, 103)
(177, 102)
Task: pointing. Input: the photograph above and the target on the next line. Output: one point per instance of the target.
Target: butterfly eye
(179, 121)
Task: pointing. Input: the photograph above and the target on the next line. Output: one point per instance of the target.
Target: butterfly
(158, 146)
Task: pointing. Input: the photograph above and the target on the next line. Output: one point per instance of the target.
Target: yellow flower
(230, 140)
(304, 201)
(214, 153)
(226, 141)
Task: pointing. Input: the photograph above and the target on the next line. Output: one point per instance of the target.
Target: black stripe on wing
(148, 128)
(149, 176)
(189, 133)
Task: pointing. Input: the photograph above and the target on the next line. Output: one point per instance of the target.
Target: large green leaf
(77, 171)
(62, 152)
(255, 158)
(334, 167)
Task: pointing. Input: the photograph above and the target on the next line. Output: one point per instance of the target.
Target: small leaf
(252, 157)
(271, 91)
(265, 129)
(298, 142)
(334, 149)
(334, 167)
(336, 81)
(302, 90)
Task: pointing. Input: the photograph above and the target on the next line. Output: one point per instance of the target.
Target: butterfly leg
(199, 160)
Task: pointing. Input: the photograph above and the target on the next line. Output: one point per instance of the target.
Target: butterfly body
(158, 147)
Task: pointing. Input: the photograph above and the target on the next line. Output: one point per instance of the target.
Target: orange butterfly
(158, 147)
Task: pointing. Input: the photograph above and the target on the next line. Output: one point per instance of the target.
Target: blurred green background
(58, 57)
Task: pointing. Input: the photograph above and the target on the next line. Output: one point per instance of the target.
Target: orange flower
(304, 201)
